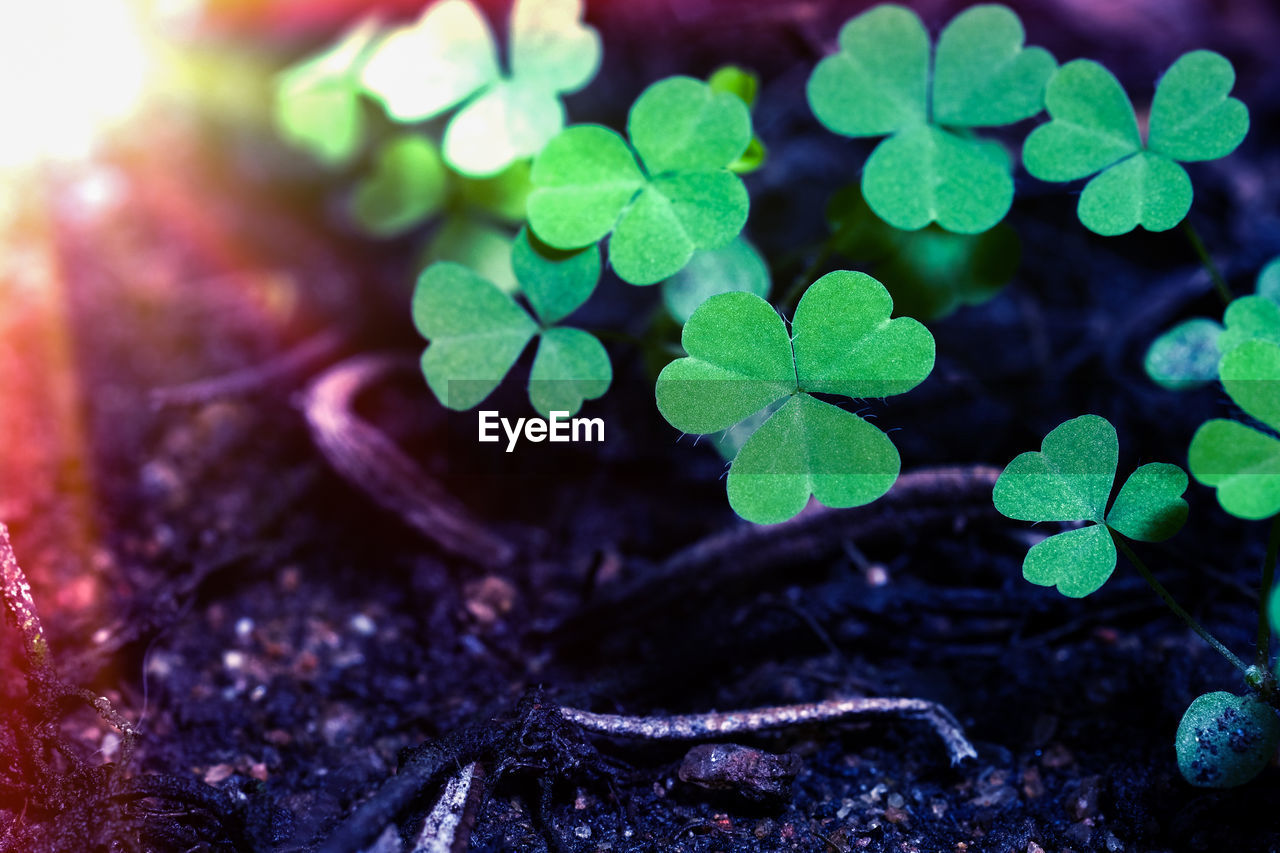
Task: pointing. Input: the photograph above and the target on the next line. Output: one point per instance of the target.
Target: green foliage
(1241, 462)
(931, 168)
(407, 186)
(742, 359)
(744, 84)
(737, 266)
(448, 57)
(930, 272)
(317, 106)
(1187, 355)
(662, 197)
(1092, 129)
(1225, 740)
(1070, 479)
(476, 331)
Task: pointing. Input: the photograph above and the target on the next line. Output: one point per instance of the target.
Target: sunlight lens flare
(71, 69)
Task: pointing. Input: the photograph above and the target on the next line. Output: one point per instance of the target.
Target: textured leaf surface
(878, 83)
(683, 124)
(476, 333)
(735, 267)
(1150, 507)
(582, 180)
(926, 174)
(556, 283)
(1147, 190)
(1077, 562)
(1069, 479)
(1193, 116)
(407, 186)
(1225, 740)
(983, 76)
(1186, 355)
(810, 447)
(1091, 125)
(571, 366)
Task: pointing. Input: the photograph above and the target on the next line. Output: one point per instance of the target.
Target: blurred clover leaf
(737, 266)
(930, 168)
(1225, 740)
(664, 196)
(449, 57)
(1093, 131)
(476, 332)
(1241, 462)
(741, 359)
(1070, 479)
(743, 83)
(1187, 355)
(407, 186)
(317, 100)
(930, 272)
(477, 229)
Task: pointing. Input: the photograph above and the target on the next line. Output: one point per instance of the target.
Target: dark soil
(281, 638)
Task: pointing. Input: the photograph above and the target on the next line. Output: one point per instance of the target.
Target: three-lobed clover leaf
(930, 272)
(1187, 355)
(1241, 462)
(476, 332)
(449, 57)
(1092, 129)
(737, 266)
(1225, 740)
(1070, 479)
(741, 360)
(408, 185)
(930, 168)
(661, 197)
(317, 100)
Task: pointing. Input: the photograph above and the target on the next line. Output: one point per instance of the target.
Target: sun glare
(69, 69)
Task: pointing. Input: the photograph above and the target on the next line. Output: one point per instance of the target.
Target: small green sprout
(737, 266)
(744, 84)
(1092, 129)
(407, 186)
(1241, 462)
(930, 272)
(1070, 479)
(1187, 355)
(1225, 740)
(449, 57)
(476, 331)
(664, 196)
(742, 359)
(931, 168)
(317, 105)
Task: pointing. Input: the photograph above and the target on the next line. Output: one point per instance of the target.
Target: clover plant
(1093, 131)
(476, 331)
(660, 197)
(448, 57)
(886, 81)
(742, 358)
(1187, 355)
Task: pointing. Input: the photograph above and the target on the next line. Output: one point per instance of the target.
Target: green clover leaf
(1187, 355)
(407, 186)
(589, 182)
(741, 359)
(930, 168)
(449, 57)
(744, 84)
(1070, 479)
(1225, 740)
(930, 272)
(737, 266)
(317, 100)
(1241, 462)
(1092, 129)
(476, 332)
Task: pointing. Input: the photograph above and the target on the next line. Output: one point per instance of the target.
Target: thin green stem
(1176, 607)
(1219, 283)
(1264, 594)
